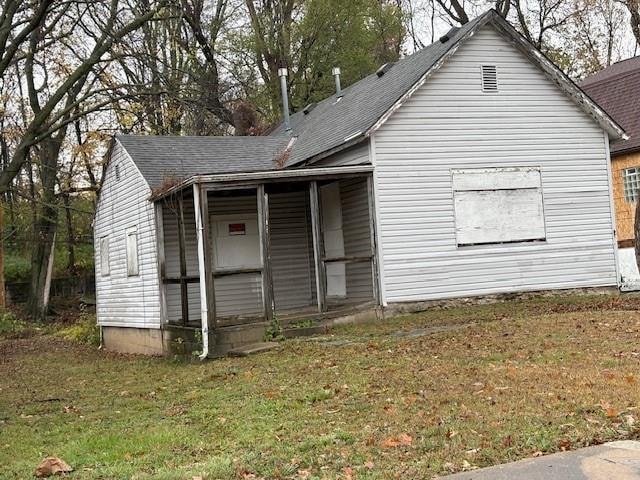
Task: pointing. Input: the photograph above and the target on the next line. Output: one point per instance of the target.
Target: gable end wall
(449, 123)
(124, 301)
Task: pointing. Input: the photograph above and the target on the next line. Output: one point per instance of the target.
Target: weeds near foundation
(197, 339)
(274, 331)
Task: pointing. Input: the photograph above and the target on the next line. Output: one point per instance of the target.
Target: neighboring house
(471, 167)
(617, 91)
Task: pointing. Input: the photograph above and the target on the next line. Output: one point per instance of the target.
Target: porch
(239, 254)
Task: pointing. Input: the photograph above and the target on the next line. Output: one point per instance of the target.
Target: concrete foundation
(178, 340)
(394, 309)
(145, 341)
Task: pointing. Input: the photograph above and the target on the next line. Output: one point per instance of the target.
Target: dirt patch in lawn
(524, 378)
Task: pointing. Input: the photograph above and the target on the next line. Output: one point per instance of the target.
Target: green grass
(515, 379)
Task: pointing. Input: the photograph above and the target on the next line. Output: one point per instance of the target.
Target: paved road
(611, 461)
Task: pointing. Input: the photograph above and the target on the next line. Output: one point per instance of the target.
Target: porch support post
(318, 246)
(375, 279)
(208, 256)
(182, 242)
(162, 269)
(265, 252)
(201, 208)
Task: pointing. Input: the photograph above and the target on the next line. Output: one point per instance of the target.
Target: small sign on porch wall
(237, 229)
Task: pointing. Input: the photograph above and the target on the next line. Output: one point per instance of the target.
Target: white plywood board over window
(496, 178)
(498, 205)
(132, 251)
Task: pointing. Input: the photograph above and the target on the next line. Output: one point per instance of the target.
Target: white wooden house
(471, 167)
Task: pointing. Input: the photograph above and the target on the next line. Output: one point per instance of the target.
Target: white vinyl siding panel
(448, 124)
(357, 155)
(357, 238)
(239, 294)
(123, 300)
(291, 250)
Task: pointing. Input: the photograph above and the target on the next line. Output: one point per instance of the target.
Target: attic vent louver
(489, 78)
(449, 35)
(307, 110)
(384, 69)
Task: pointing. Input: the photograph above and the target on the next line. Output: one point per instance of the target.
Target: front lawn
(496, 383)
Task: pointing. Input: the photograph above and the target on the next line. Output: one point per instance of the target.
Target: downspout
(204, 309)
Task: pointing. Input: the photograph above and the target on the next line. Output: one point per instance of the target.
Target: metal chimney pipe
(282, 73)
(336, 75)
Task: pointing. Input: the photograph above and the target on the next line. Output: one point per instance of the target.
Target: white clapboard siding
(357, 237)
(234, 295)
(357, 155)
(449, 124)
(122, 300)
(291, 250)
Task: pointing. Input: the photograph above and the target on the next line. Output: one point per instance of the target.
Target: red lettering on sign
(237, 229)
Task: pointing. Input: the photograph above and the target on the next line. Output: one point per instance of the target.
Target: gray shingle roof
(164, 157)
(617, 90)
(364, 102)
(332, 125)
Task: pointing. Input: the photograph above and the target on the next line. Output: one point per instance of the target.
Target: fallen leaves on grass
(349, 473)
(303, 474)
(609, 411)
(564, 444)
(401, 440)
(52, 466)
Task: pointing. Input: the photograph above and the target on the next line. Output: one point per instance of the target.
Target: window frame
(132, 232)
(631, 181)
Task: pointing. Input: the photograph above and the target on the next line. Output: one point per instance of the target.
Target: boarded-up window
(498, 205)
(104, 256)
(132, 251)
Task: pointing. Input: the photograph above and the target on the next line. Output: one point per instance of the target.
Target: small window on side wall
(117, 168)
(498, 205)
(631, 183)
(104, 256)
(132, 251)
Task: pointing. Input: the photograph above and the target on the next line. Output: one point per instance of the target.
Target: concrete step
(252, 349)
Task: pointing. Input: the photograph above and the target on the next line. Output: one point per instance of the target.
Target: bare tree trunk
(71, 254)
(3, 302)
(45, 230)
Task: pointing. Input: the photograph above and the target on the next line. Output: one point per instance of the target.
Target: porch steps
(252, 349)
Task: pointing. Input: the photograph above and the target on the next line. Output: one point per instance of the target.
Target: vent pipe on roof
(282, 73)
(384, 69)
(449, 35)
(336, 75)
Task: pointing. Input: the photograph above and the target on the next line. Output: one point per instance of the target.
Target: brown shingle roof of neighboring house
(617, 90)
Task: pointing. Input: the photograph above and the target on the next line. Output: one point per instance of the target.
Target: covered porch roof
(252, 179)
(171, 164)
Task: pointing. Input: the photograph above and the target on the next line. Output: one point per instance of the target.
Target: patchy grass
(83, 329)
(12, 326)
(504, 382)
